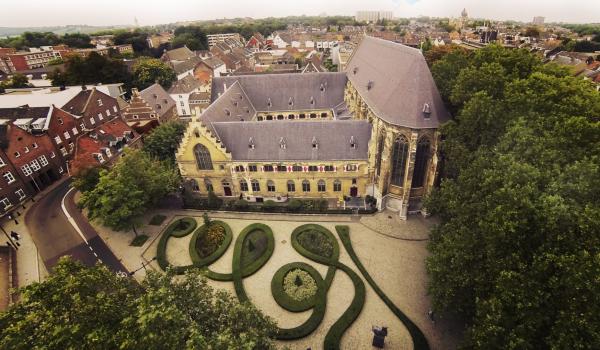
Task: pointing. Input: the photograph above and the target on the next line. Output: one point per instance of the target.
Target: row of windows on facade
(290, 116)
(27, 169)
(204, 162)
(400, 157)
(6, 202)
(291, 185)
(294, 168)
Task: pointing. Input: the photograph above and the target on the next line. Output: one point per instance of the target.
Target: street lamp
(144, 264)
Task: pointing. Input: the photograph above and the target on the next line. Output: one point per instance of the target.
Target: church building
(371, 130)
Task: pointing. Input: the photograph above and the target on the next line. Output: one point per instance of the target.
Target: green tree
(129, 189)
(147, 71)
(517, 252)
(93, 69)
(18, 81)
(163, 141)
(87, 179)
(93, 308)
(194, 37)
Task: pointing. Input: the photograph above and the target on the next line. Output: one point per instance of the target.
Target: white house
(181, 91)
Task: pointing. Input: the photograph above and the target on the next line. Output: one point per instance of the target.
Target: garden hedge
(419, 340)
(161, 249)
(239, 272)
(283, 299)
(214, 256)
(312, 256)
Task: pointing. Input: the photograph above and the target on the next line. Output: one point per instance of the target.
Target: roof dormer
(353, 144)
(426, 111)
(315, 143)
(282, 143)
(251, 144)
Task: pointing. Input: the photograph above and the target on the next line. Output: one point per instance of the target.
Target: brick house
(33, 156)
(13, 190)
(63, 129)
(94, 106)
(104, 145)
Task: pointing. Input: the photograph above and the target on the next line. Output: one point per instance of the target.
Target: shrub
(213, 237)
(294, 205)
(316, 242)
(157, 220)
(299, 285)
(241, 204)
(269, 205)
(213, 202)
(323, 204)
(139, 241)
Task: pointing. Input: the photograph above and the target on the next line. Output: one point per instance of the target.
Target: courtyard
(393, 259)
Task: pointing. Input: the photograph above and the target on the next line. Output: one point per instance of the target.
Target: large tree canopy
(131, 187)
(92, 308)
(148, 71)
(163, 141)
(93, 69)
(517, 254)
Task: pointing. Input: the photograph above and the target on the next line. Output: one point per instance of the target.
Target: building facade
(371, 130)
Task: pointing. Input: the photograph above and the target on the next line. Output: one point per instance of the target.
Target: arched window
(255, 185)
(321, 186)
(379, 154)
(202, 157)
(305, 186)
(270, 186)
(243, 186)
(337, 186)
(208, 184)
(421, 160)
(291, 186)
(399, 156)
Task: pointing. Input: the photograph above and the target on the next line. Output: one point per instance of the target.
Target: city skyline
(77, 13)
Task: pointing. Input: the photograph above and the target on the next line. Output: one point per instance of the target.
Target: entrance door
(227, 191)
(353, 191)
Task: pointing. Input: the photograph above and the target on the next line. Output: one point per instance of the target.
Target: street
(55, 237)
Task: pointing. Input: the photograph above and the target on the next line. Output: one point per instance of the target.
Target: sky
(148, 12)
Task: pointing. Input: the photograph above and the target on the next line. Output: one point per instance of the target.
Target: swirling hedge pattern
(244, 266)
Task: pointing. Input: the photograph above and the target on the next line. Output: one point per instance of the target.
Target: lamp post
(144, 264)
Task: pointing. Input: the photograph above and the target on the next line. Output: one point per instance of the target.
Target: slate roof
(24, 112)
(232, 106)
(280, 88)
(158, 99)
(400, 83)
(189, 64)
(213, 62)
(185, 85)
(179, 54)
(333, 139)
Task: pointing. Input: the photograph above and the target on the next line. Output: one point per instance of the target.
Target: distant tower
(135, 21)
(464, 17)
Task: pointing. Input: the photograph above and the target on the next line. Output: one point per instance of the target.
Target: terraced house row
(40, 145)
(371, 130)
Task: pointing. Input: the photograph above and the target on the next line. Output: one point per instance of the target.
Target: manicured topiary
(419, 340)
(241, 204)
(269, 205)
(172, 231)
(239, 271)
(218, 244)
(283, 297)
(294, 205)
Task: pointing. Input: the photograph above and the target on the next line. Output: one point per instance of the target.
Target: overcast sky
(110, 12)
